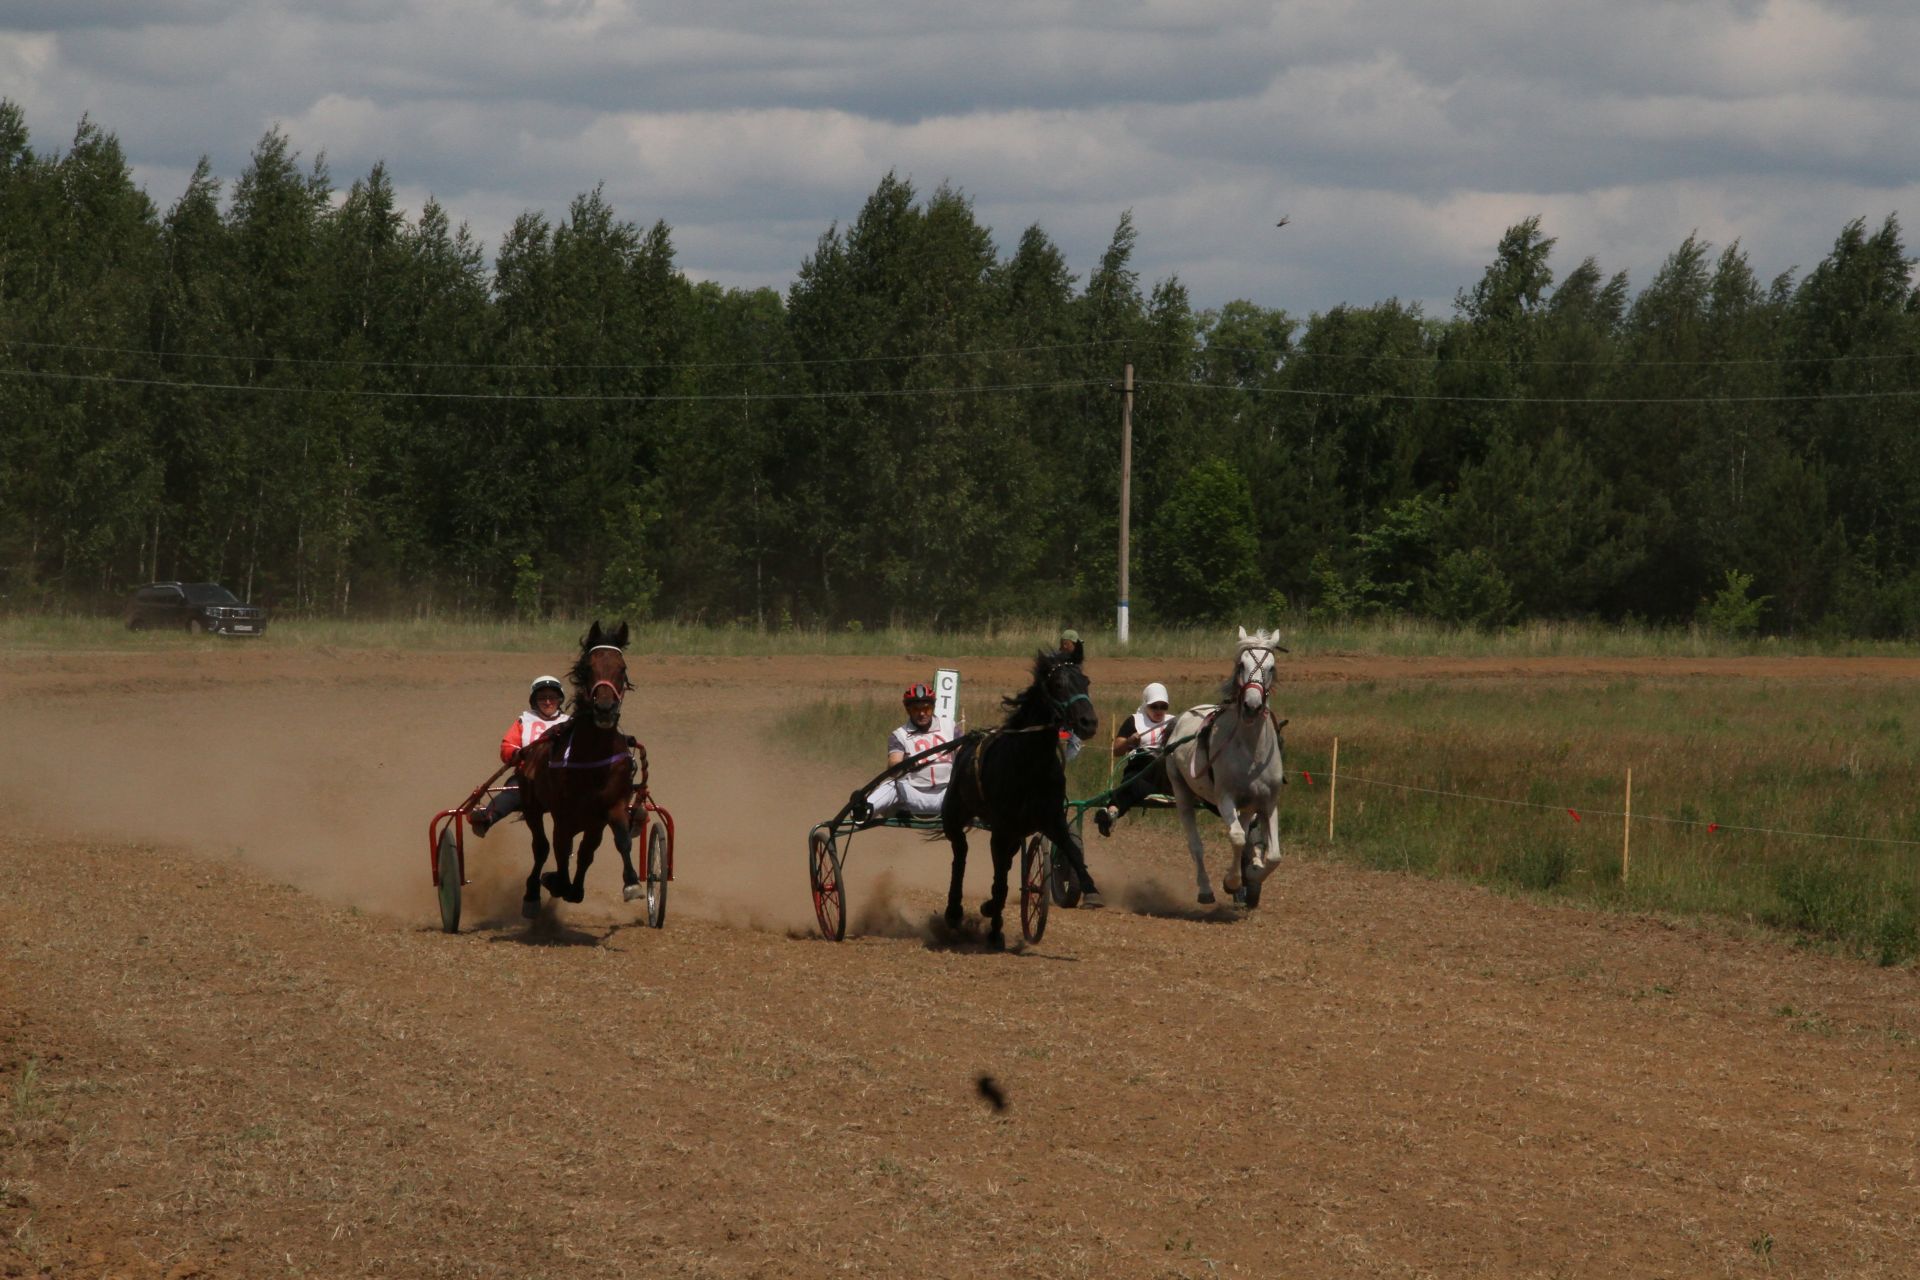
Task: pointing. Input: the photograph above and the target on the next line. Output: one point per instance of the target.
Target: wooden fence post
(1333, 788)
(1626, 833)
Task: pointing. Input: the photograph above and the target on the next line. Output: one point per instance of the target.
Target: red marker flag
(1573, 815)
(1308, 773)
(1712, 827)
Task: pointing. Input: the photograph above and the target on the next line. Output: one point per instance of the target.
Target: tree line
(334, 407)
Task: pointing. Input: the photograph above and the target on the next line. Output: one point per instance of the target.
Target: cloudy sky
(1400, 138)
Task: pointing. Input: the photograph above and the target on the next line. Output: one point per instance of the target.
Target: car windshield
(208, 593)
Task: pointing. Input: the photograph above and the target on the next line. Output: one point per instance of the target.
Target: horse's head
(600, 675)
(1066, 685)
(1251, 685)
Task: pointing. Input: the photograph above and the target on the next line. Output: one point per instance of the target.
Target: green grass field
(1474, 779)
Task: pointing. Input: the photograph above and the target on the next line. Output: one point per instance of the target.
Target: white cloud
(1402, 139)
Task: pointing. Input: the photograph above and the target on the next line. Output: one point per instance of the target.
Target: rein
(566, 760)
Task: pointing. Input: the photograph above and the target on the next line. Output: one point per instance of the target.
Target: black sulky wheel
(1061, 882)
(449, 880)
(657, 875)
(829, 894)
(1034, 860)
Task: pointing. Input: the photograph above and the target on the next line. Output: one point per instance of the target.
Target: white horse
(1230, 757)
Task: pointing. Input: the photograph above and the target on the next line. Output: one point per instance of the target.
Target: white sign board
(946, 695)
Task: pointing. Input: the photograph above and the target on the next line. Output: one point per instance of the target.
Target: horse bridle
(616, 690)
(1060, 709)
(1265, 687)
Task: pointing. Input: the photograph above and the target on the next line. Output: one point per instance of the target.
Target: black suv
(199, 607)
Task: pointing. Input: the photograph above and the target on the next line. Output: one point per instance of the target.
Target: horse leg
(1063, 839)
(589, 841)
(957, 837)
(1268, 855)
(1183, 800)
(530, 903)
(556, 881)
(1236, 840)
(1002, 847)
(623, 845)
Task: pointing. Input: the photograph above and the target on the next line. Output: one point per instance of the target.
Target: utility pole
(1126, 487)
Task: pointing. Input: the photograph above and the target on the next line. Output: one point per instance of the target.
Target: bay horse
(1013, 779)
(581, 775)
(1231, 756)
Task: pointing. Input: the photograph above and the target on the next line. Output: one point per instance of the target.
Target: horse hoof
(1252, 895)
(530, 908)
(1206, 899)
(1240, 896)
(576, 893)
(632, 891)
(554, 884)
(952, 917)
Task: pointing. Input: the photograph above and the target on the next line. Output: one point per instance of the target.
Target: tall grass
(1474, 780)
(1304, 635)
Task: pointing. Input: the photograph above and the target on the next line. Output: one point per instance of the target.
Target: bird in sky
(1285, 218)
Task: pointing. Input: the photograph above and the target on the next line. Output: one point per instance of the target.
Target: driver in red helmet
(920, 789)
(544, 697)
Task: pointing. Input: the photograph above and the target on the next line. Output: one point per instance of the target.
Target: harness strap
(1205, 734)
(587, 764)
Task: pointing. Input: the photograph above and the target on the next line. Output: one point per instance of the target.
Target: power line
(631, 368)
(731, 397)
(1290, 354)
(1318, 393)
(1280, 357)
(736, 397)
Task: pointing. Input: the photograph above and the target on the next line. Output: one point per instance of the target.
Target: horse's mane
(1031, 706)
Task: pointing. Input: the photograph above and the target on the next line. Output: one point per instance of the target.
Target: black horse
(1014, 781)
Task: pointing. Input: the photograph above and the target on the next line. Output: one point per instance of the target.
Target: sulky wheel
(829, 894)
(449, 880)
(1034, 860)
(657, 875)
(1061, 882)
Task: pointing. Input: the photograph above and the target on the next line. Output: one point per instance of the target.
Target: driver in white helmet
(542, 715)
(1142, 740)
(920, 789)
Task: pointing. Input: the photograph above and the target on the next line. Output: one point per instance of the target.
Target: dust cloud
(322, 771)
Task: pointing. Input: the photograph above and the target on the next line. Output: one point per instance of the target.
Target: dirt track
(234, 1041)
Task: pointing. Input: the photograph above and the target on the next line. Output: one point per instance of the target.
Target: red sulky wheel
(657, 876)
(449, 868)
(829, 894)
(1036, 856)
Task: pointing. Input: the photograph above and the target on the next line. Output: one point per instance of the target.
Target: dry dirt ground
(234, 1041)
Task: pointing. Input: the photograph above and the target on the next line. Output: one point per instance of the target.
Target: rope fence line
(1578, 813)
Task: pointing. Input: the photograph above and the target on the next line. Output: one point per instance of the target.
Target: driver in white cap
(1142, 739)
